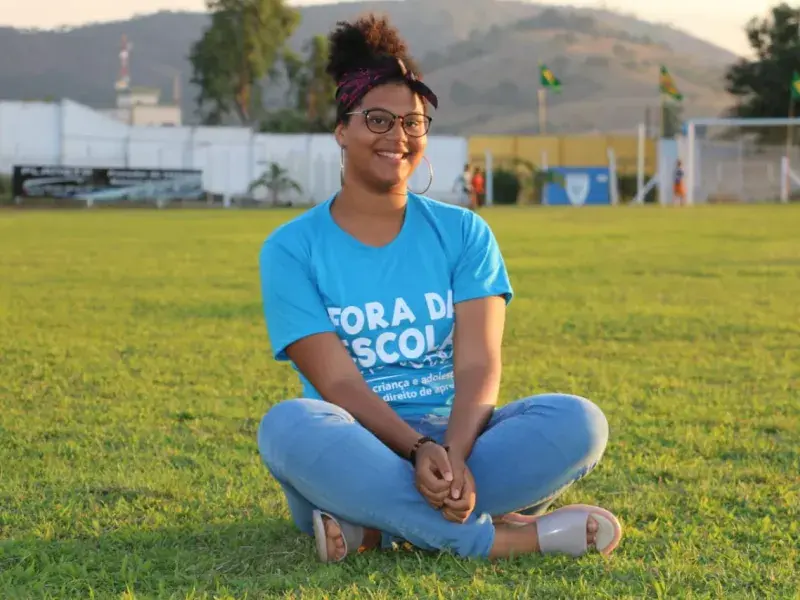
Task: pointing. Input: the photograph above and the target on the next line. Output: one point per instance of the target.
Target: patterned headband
(356, 84)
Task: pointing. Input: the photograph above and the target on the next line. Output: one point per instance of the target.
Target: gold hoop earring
(341, 167)
(430, 177)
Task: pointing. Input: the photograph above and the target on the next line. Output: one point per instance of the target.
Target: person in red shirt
(478, 188)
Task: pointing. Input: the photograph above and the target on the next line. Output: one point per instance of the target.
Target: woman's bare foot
(335, 539)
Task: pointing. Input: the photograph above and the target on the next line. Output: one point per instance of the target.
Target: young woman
(391, 306)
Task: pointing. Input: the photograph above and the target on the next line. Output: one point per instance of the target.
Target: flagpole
(662, 115)
(661, 106)
(789, 124)
(789, 136)
(542, 92)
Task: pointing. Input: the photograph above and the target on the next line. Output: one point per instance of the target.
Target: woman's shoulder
(452, 216)
(296, 234)
(440, 208)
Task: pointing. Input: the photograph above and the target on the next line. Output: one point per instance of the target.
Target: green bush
(506, 186)
(628, 189)
(5, 189)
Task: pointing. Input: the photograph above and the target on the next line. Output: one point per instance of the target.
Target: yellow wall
(565, 151)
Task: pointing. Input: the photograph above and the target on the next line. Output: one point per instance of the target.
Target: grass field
(134, 369)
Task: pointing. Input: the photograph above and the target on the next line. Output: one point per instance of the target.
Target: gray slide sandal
(563, 531)
(353, 535)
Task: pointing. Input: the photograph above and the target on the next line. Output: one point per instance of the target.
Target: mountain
(481, 56)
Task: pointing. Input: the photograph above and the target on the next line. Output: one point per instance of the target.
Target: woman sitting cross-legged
(391, 306)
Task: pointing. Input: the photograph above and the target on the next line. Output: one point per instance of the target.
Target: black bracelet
(412, 456)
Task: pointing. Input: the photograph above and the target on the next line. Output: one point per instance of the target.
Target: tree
(276, 181)
(237, 51)
(762, 85)
(294, 70)
(320, 106)
(310, 92)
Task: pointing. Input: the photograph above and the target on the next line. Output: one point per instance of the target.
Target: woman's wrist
(419, 444)
(458, 450)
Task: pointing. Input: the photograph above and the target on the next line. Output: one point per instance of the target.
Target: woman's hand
(460, 501)
(434, 474)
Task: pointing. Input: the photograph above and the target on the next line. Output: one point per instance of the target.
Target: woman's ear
(339, 135)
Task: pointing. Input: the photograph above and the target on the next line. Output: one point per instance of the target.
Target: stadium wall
(70, 134)
(230, 158)
(566, 151)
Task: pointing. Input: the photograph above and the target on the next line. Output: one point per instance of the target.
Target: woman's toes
(332, 529)
(334, 539)
(591, 531)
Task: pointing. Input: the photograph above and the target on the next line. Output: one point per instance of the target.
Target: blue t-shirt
(392, 306)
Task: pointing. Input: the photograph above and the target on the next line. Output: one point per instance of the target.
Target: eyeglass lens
(381, 121)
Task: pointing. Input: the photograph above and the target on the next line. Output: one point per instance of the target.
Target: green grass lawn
(134, 369)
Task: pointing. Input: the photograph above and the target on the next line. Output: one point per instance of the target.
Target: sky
(718, 21)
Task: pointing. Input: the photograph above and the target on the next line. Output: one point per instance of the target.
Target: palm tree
(276, 181)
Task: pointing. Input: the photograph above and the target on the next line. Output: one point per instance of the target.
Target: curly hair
(364, 43)
(367, 43)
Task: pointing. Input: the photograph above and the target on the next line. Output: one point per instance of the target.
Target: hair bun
(365, 43)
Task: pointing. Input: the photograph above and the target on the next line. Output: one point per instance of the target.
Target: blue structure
(579, 186)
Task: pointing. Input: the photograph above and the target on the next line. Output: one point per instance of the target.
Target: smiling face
(384, 161)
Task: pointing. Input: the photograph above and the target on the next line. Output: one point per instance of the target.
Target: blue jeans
(529, 453)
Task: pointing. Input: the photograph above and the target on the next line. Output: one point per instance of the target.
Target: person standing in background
(478, 188)
(679, 190)
(462, 186)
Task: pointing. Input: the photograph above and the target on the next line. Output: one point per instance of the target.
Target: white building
(140, 106)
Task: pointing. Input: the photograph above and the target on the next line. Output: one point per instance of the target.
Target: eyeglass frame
(365, 113)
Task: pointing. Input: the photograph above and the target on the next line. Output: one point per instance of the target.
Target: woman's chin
(389, 182)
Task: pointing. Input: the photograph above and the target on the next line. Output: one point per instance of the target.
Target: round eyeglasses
(380, 120)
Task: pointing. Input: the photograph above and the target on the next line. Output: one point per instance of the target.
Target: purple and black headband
(356, 84)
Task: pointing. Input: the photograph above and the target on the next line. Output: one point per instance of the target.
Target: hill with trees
(481, 56)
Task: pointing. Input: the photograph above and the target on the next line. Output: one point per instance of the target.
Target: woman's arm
(477, 344)
(325, 362)
(327, 365)
(301, 330)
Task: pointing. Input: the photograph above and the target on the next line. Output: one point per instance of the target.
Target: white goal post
(737, 166)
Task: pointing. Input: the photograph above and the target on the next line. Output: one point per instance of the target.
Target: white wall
(70, 134)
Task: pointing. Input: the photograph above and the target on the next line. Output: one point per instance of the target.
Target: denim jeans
(529, 453)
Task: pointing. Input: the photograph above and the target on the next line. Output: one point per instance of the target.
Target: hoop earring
(430, 177)
(341, 167)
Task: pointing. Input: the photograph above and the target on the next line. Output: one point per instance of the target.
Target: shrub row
(508, 184)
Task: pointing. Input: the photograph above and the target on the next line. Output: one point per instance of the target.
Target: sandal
(564, 530)
(353, 535)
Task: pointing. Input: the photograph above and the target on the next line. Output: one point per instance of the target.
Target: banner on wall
(98, 184)
(579, 186)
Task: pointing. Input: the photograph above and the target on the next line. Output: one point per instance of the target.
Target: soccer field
(134, 369)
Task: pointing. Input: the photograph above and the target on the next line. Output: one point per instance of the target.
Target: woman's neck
(373, 218)
(356, 200)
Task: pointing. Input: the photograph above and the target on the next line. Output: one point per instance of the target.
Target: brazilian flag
(796, 86)
(548, 79)
(666, 85)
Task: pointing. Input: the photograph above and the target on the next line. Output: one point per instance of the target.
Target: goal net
(741, 160)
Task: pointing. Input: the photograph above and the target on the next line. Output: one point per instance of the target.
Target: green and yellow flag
(548, 79)
(796, 86)
(667, 85)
